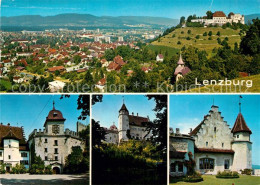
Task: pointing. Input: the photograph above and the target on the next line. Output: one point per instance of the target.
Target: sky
(107, 111)
(30, 111)
(157, 8)
(192, 108)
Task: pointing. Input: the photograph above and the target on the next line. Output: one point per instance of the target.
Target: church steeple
(180, 61)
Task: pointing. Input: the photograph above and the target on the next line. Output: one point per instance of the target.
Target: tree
(210, 33)
(74, 161)
(98, 133)
(88, 78)
(250, 44)
(182, 20)
(209, 15)
(218, 33)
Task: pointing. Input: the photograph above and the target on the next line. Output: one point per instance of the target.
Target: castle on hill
(220, 18)
(130, 126)
(213, 145)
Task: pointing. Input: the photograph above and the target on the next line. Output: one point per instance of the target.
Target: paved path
(15, 179)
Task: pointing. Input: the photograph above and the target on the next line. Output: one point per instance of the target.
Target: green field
(212, 180)
(202, 43)
(162, 49)
(230, 89)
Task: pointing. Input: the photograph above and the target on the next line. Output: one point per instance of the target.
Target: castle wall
(242, 156)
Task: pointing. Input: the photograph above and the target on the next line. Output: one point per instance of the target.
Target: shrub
(182, 32)
(189, 32)
(227, 174)
(179, 42)
(246, 171)
(210, 38)
(173, 35)
(210, 33)
(205, 34)
(218, 34)
(197, 37)
(18, 169)
(188, 38)
(2, 169)
(196, 177)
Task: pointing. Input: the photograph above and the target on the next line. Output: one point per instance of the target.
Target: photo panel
(44, 139)
(214, 137)
(129, 139)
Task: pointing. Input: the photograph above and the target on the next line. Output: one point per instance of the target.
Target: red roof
(57, 68)
(102, 81)
(114, 66)
(240, 125)
(123, 108)
(119, 60)
(219, 14)
(214, 150)
(54, 115)
(160, 56)
(10, 132)
(138, 120)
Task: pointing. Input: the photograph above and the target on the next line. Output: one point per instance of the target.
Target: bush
(182, 32)
(18, 169)
(188, 38)
(179, 42)
(2, 169)
(227, 174)
(210, 33)
(246, 171)
(218, 34)
(210, 38)
(196, 177)
(189, 32)
(197, 37)
(205, 34)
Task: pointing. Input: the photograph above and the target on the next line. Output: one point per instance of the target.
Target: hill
(86, 20)
(231, 89)
(251, 16)
(181, 35)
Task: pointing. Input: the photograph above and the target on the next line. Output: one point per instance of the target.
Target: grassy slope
(212, 180)
(202, 43)
(217, 89)
(171, 51)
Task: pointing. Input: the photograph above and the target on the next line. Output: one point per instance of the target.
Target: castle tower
(123, 123)
(241, 144)
(54, 123)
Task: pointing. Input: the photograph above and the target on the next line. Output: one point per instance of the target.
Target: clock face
(55, 129)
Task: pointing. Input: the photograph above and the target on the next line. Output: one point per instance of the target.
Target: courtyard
(14, 179)
(212, 180)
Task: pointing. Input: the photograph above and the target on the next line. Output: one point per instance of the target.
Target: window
(1, 154)
(56, 158)
(56, 150)
(180, 167)
(24, 162)
(222, 145)
(46, 141)
(55, 142)
(46, 158)
(23, 154)
(215, 129)
(173, 167)
(9, 146)
(9, 156)
(206, 163)
(226, 164)
(207, 143)
(45, 149)
(237, 136)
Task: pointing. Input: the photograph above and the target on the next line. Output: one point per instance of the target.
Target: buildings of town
(220, 18)
(14, 148)
(213, 146)
(130, 126)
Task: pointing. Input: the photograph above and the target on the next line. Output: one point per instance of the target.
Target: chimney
(137, 114)
(132, 113)
(177, 131)
(190, 130)
(8, 124)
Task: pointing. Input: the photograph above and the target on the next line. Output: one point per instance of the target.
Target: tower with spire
(181, 70)
(123, 123)
(241, 144)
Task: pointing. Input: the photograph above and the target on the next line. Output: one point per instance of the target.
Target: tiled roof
(240, 125)
(219, 14)
(54, 115)
(57, 68)
(7, 131)
(123, 108)
(138, 120)
(214, 150)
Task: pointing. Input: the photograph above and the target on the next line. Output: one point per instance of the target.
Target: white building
(120, 39)
(54, 143)
(129, 127)
(215, 147)
(220, 18)
(159, 58)
(107, 39)
(13, 147)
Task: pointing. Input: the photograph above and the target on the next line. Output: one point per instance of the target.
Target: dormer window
(55, 114)
(207, 143)
(237, 136)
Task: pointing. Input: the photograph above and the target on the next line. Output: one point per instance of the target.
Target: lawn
(212, 180)
(162, 49)
(231, 89)
(202, 42)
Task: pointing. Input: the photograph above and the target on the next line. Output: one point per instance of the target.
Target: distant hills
(87, 21)
(251, 16)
